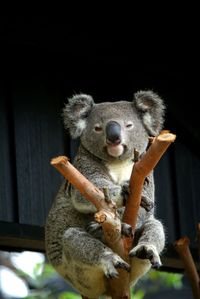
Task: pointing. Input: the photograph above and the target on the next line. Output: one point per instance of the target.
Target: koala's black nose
(113, 132)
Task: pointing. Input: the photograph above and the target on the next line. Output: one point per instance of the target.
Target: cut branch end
(166, 136)
(59, 160)
(182, 242)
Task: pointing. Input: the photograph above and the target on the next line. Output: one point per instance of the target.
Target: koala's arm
(147, 200)
(84, 206)
(95, 172)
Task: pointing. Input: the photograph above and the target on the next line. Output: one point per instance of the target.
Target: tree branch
(182, 247)
(106, 208)
(107, 216)
(140, 171)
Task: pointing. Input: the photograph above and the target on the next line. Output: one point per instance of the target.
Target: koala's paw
(95, 229)
(112, 261)
(125, 191)
(147, 251)
(112, 193)
(127, 230)
(147, 203)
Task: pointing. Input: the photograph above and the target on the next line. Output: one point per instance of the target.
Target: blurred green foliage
(154, 281)
(150, 283)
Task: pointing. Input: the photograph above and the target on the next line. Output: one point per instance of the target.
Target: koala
(109, 132)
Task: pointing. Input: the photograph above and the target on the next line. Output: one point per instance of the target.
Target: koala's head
(111, 130)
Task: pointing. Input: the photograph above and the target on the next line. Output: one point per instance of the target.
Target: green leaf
(139, 294)
(69, 295)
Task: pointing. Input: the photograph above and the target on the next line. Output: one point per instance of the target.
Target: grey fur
(74, 243)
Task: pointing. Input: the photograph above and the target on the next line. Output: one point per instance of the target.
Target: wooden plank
(174, 265)
(188, 190)
(21, 237)
(39, 137)
(7, 160)
(18, 244)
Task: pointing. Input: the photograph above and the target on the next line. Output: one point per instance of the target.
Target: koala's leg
(80, 246)
(150, 243)
(86, 262)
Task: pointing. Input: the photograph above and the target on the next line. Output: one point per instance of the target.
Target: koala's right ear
(151, 109)
(75, 113)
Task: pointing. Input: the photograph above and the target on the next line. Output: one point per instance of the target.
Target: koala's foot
(112, 261)
(147, 251)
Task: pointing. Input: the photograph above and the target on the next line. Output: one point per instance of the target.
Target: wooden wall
(31, 134)
(41, 65)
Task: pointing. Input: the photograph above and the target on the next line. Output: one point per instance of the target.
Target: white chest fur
(120, 171)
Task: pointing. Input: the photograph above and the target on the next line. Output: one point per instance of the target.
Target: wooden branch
(112, 230)
(182, 247)
(141, 170)
(86, 188)
(106, 208)
(119, 288)
(106, 215)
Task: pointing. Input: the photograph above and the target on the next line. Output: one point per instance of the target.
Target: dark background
(44, 61)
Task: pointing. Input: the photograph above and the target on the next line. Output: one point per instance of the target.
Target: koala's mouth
(115, 150)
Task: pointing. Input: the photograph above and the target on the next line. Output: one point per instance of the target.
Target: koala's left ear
(151, 109)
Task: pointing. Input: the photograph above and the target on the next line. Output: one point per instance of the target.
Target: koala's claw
(123, 265)
(126, 188)
(108, 268)
(93, 226)
(146, 181)
(111, 262)
(125, 191)
(147, 251)
(118, 262)
(126, 230)
(95, 229)
(111, 275)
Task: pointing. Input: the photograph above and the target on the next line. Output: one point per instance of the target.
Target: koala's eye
(129, 125)
(98, 128)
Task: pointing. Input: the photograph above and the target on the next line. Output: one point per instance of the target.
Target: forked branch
(107, 216)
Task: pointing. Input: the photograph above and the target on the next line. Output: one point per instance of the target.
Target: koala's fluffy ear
(75, 113)
(151, 109)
